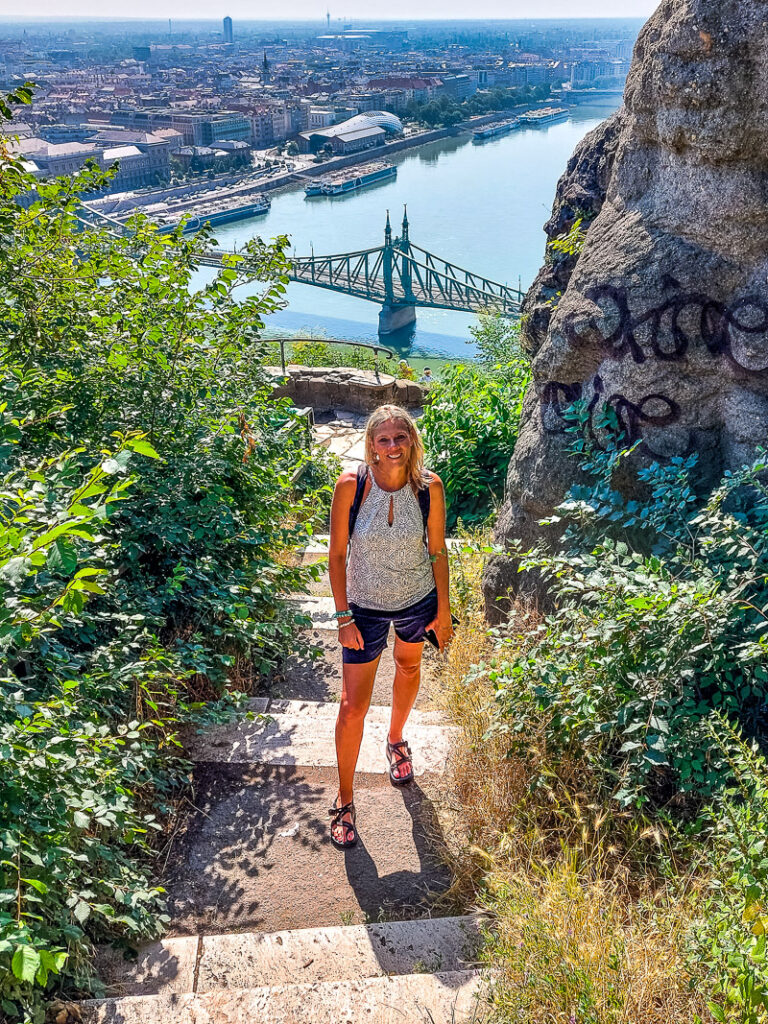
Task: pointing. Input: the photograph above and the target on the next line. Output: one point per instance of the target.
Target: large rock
(664, 315)
(330, 387)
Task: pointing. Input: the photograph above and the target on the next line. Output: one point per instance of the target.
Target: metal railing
(282, 342)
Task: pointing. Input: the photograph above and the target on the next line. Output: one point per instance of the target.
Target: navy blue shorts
(410, 624)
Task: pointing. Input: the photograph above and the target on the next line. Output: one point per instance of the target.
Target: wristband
(343, 614)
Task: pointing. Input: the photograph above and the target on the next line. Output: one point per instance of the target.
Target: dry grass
(572, 949)
(585, 928)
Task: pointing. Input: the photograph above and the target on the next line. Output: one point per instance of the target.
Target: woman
(387, 563)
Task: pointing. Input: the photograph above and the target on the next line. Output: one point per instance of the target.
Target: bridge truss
(401, 273)
(396, 274)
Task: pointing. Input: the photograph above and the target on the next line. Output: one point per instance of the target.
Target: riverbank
(390, 148)
(199, 200)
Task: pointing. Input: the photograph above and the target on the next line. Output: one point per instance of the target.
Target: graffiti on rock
(738, 331)
(633, 418)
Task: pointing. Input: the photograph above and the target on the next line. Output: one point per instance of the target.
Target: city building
(363, 131)
(357, 139)
(262, 129)
(458, 87)
(199, 128)
(135, 168)
(156, 147)
(355, 39)
(55, 159)
(228, 36)
(321, 117)
(417, 90)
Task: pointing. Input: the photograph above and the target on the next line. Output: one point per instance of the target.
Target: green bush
(471, 422)
(661, 620)
(147, 502)
(729, 937)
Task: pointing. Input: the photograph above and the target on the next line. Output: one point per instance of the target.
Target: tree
(146, 505)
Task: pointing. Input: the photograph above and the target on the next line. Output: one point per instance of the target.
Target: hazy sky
(354, 9)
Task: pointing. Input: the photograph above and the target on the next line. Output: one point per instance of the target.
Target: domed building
(363, 131)
(391, 124)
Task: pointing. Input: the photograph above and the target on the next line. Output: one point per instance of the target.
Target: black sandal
(337, 816)
(400, 759)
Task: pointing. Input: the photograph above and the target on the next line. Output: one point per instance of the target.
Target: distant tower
(265, 72)
(228, 30)
(328, 20)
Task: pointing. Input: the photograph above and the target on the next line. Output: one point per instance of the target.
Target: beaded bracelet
(342, 615)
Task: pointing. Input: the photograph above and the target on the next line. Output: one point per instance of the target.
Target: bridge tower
(396, 313)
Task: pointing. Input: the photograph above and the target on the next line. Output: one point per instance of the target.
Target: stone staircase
(270, 923)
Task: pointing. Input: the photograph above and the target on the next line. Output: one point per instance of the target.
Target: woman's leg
(355, 700)
(404, 692)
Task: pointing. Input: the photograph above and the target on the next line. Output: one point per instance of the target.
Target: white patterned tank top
(388, 567)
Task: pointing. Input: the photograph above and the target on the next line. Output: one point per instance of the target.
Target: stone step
(304, 678)
(445, 998)
(319, 609)
(256, 856)
(297, 732)
(306, 955)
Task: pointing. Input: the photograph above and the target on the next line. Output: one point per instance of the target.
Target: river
(481, 207)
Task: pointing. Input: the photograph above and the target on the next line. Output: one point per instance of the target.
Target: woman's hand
(442, 627)
(349, 636)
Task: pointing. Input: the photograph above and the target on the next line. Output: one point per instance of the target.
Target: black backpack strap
(424, 500)
(357, 501)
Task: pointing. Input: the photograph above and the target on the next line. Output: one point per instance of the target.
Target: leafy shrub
(470, 427)
(61, 797)
(497, 340)
(729, 938)
(661, 619)
(129, 602)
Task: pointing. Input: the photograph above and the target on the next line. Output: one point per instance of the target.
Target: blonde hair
(417, 475)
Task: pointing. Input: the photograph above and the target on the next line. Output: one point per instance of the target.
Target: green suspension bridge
(398, 275)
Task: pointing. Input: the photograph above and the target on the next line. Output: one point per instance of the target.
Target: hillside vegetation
(610, 794)
(147, 505)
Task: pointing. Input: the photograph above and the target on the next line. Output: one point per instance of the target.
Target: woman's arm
(343, 496)
(438, 551)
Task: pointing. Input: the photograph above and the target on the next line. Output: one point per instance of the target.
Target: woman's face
(392, 442)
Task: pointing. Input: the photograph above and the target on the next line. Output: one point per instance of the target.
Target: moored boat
(219, 214)
(494, 130)
(341, 182)
(544, 116)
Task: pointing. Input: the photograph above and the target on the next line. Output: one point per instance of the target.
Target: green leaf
(25, 963)
(41, 887)
(81, 820)
(144, 448)
(82, 911)
(62, 557)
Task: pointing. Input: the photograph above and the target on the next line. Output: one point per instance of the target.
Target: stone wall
(664, 315)
(325, 388)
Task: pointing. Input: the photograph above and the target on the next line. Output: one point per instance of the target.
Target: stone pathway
(343, 436)
(270, 923)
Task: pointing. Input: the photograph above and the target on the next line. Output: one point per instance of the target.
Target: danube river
(479, 206)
